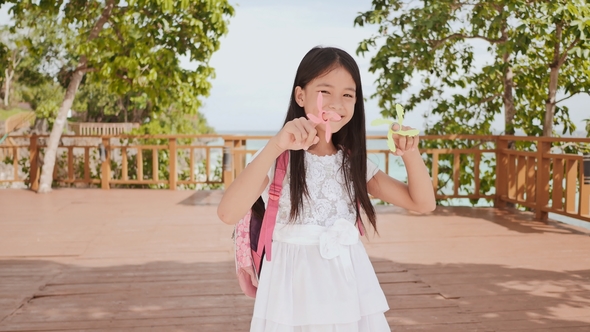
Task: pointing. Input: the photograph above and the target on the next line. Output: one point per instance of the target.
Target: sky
(267, 39)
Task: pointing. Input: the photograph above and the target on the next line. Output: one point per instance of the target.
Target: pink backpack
(253, 237)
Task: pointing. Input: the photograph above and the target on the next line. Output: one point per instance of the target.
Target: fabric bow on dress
(324, 116)
(334, 242)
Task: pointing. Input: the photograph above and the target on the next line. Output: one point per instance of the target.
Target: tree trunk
(553, 80)
(8, 77)
(58, 125)
(508, 99)
(550, 104)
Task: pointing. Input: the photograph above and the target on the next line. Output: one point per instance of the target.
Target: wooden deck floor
(141, 260)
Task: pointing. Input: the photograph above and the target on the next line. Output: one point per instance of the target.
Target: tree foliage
(470, 62)
(134, 47)
(135, 58)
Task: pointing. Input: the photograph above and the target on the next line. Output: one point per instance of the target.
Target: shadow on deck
(140, 260)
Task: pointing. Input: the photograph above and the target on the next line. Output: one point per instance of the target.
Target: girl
(320, 277)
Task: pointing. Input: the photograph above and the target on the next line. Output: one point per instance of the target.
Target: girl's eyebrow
(331, 86)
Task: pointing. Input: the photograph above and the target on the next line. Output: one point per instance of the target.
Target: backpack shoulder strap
(272, 208)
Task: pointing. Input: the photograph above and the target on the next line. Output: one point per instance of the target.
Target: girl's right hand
(297, 134)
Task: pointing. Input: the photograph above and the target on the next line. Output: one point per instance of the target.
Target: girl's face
(339, 93)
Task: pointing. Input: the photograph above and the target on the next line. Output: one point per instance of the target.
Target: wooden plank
(512, 176)
(155, 165)
(521, 178)
(531, 179)
(15, 162)
(472, 196)
(138, 181)
(445, 151)
(456, 171)
(106, 165)
(584, 203)
(530, 205)
(70, 163)
(87, 164)
(199, 182)
(207, 164)
(124, 166)
(516, 153)
(557, 195)
(192, 164)
(577, 216)
(139, 163)
(477, 160)
(34, 156)
(173, 176)
(571, 175)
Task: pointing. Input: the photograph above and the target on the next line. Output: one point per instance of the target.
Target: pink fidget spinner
(324, 117)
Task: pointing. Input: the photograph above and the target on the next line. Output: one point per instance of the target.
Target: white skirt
(319, 279)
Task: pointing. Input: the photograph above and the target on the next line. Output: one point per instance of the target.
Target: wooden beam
(571, 174)
(173, 177)
(557, 194)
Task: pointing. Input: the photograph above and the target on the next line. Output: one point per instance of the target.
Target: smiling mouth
(327, 117)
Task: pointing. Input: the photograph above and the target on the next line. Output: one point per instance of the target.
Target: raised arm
(248, 186)
(418, 194)
(244, 191)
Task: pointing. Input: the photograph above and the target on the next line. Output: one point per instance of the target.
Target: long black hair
(351, 138)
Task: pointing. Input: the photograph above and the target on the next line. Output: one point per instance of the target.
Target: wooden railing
(100, 129)
(543, 180)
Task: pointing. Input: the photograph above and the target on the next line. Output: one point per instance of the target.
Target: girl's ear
(299, 96)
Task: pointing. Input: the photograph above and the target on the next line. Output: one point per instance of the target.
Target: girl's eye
(324, 91)
(348, 96)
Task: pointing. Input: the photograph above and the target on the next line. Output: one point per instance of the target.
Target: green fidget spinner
(400, 120)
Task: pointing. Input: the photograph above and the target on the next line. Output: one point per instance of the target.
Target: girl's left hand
(403, 143)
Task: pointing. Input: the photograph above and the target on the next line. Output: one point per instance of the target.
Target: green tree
(434, 41)
(559, 47)
(426, 50)
(134, 46)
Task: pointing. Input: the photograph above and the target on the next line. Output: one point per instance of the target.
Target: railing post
(106, 164)
(239, 154)
(585, 188)
(228, 163)
(543, 176)
(501, 176)
(34, 163)
(172, 175)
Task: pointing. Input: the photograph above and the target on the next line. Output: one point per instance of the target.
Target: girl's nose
(335, 103)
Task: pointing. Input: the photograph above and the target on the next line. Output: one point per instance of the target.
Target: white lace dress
(320, 278)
